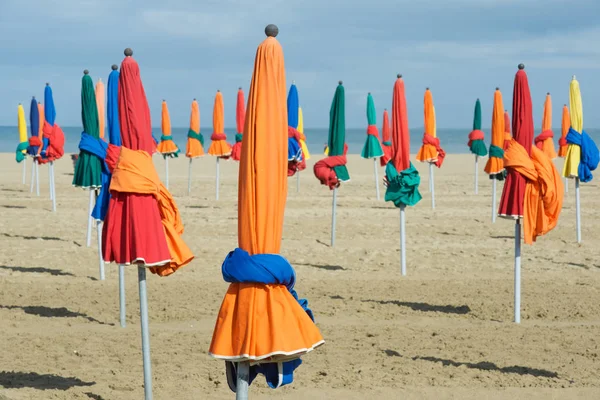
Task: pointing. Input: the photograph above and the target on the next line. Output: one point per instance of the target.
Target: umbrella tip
(240, 88)
(164, 100)
(497, 88)
(33, 97)
(218, 91)
(574, 77)
(47, 84)
(426, 88)
(271, 30)
(194, 99)
(114, 67)
(128, 52)
(86, 72)
(399, 76)
(340, 82)
(521, 66)
(293, 82)
(548, 94)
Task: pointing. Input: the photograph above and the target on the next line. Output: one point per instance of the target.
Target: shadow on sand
(18, 380)
(448, 309)
(37, 270)
(52, 312)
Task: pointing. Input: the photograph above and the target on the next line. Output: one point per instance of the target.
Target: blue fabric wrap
(34, 125)
(294, 150)
(590, 156)
(240, 267)
(112, 109)
(98, 147)
(155, 140)
(293, 104)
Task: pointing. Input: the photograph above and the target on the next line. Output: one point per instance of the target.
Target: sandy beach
(445, 331)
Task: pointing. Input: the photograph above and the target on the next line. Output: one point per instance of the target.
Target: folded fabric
(240, 267)
(403, 187)
(294, 148)
(135, 173)
(167, 147)
(219, 147)
(543, 191)
(435, 142)
(55, 139)
(98, 148)
(590, 157)
(195, 144)
(372, 147)
(495, 164)
(476, 144)
(21, 151)
(34, 146)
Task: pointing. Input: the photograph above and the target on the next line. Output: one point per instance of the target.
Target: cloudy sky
(461, 49)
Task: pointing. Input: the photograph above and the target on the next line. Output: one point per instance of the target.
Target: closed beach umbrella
(545, 140)
(401, 176)
(143, 226)
(476, 144)
(167, 146)
(565, 125)
(582, 153)
(372, 147)
(430, 152)
(23, 142)
(219, 146)
(53, 140)
(112, 107)
(295, 159)
(495, 164)
(100, 102)
(262, 327)
(386, 143)
(305, 152)
(195, 140)
(35, 142)
(507, 134)
(240, 118)
(533, 190)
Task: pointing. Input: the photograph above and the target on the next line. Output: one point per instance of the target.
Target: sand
(445, 331)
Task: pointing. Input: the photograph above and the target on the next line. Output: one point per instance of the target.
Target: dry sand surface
(443, 332)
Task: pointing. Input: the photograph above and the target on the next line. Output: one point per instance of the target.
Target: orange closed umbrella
(507, 135)
(167, 147)
(495, 164)
(261, 320)
(565, 125)
(545, 140)
(219, 146)
(195, 140)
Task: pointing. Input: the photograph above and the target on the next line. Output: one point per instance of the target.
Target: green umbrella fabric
(372, 147)
(337, 131)
(88, 170)
(476, 137)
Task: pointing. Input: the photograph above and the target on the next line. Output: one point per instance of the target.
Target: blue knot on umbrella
(590, 156)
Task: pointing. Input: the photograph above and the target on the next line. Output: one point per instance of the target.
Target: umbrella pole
(431, 185)
(217, 183)
(476, 175)
(90, 218)
(167, 171)
(24, 171)
(518, 271)
(122, 295)
(53, 187)
(297, 181)
(100, 258)
(578, 210)
(37, 178)
(376, 178)
(50, 179)
(494, 200)
(333, 208)
(566, 185)
(32, 175)
(243, 377)
(403, 240)
(145, 334)
(190, 176)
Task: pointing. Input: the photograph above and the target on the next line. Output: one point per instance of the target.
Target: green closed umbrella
(372, 148)
(88, 170)
(337, 132)
(476, 143)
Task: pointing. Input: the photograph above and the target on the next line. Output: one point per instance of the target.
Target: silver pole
(190, 176)
(25, 171)
(494, 213)
(50, 179)
(518, 271)
(297, 181)
(566, 185)
(122, 295)
(53, 187)
(217, 180)
(243, 377)
(145, 334)
(432, 185)
(37, 178)
(376, 178)
(100, 257)
(333, 208)
(90, 218)
(578, 209)
(476, 175)
(167, 172)
(32, 175)
(403, 239)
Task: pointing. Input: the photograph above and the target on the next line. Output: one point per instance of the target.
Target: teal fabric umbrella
(372, 147)
(337, 132)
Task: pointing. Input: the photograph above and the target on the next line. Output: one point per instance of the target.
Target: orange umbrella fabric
(545, 140)
(430, 151)
(219, 146)
(195, 140)
(166, 147)
(495, 164)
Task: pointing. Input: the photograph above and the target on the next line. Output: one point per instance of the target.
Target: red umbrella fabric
(386, 144)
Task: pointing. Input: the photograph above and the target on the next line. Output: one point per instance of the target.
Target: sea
(453, 141)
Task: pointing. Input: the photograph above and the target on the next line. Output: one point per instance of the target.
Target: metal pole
(243, 376)
(494, 213)
(566, 185)
(190, 177)
(432, 185)
(100, 257)
(518, 271)
(376, 177)
(24, 171)
(32, 175)
(122, 295)
(37, 178)
(297, 181)
(578, 209)
(403, 240)
(167, 171)
(333, 208)
(145, 334)
(217, 184)
(53, 187)
(476, 175)
(90, 218)
(50, 179)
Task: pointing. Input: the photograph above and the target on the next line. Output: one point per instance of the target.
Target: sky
(461, 49)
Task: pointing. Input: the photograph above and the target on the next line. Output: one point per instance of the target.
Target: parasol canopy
(305, 152)
(507, 125)
(372, 147)
(430, 151)
(100, 101)
(261, 318)
(545, 140)
(565, 125)
(167, 146)
(295, 159)
(495, 164)
(22, 128)
(112, 108)
(476, 137)
(402, 177)
(195, 140)
(143, 225)
(53, 136)
(88, 170)
(386, 144)
(219, 146)
(35, 140)
(240, 118)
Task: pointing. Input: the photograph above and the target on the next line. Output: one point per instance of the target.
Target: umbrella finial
(85, 72)
(293, 82)
(218, 91)
(114, 67)
(99, 79)
(548, 94)
(521, 66)
(574, 78)
(33, 97)
(194, 99)
(128, 52)
(399, 76)
(47, 84)
(240, 88)
(497, 88)
(340, 82)
(271, 30)
(426, 88)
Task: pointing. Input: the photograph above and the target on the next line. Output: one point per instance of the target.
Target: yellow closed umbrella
(23, 142)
